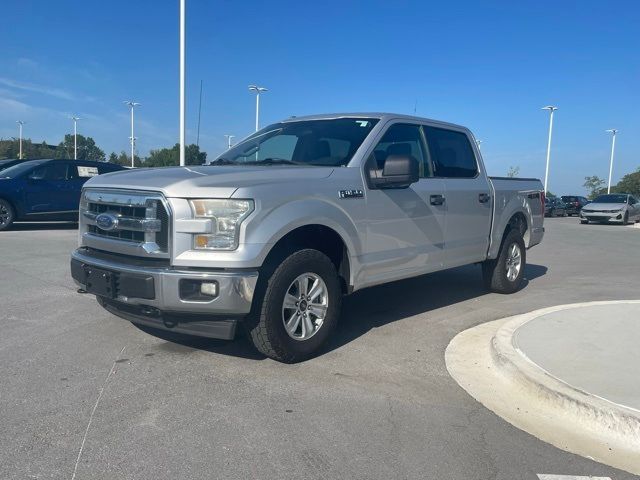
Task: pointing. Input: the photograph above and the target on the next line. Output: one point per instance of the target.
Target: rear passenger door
(467, 195)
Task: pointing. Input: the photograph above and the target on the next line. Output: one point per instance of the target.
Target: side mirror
(399, 171)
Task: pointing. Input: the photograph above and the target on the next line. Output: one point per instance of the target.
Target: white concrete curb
(486, 362)
(617, 419)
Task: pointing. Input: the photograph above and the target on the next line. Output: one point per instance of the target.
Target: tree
(166, 157)
(593, 184)
(630, 183)
(87, 148)
(124, 159)
(513, 172)
(30, 151)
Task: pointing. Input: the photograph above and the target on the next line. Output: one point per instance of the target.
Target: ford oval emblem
(107, 221)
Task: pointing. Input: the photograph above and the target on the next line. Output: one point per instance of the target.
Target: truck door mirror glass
(399, 171)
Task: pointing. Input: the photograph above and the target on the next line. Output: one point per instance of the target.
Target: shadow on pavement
(366, 309)
(24, 226)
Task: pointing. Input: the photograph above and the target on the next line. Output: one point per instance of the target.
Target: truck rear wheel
(6, 214)
(297, 308)
(505, 273)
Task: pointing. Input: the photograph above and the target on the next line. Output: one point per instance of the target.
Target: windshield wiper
(273, 161)
(223, 161)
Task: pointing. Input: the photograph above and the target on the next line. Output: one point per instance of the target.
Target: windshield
(611, 199)
(330, 142)
(17, 170)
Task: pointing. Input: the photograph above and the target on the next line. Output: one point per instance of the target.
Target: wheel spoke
(304, 285)
(307, 326)
(318, 309)
(294, 321)
(316, 289)
(290, 302)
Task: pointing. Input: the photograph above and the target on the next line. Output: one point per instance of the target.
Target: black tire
(266, 326)
(625, 219)
(584, 222)
(7, 215)
(494, 272)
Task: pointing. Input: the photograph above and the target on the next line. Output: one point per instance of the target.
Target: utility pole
(613, 132)
(182, 81)
(229, 137)
(20, 124)
(199, 114)
(132, 105)
(551, 109)
(258, 90)
(75, 136)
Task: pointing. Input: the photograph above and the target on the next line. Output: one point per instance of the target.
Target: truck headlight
(226, 216)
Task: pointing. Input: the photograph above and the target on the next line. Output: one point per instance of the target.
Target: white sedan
(614, 207)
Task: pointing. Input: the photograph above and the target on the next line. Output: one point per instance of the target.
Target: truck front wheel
(297, 308)
(505, 273)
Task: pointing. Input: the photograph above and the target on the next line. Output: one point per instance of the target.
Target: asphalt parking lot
(378, 404)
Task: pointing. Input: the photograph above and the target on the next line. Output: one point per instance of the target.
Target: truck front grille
(128, 222)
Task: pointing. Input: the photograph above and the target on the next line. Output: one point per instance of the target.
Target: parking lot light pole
(182, 81)
(132, 105)
(258, 90)
(75, 136)
(478, 142)
(20, 124)
(229, 137)
(551, 109)
(613, 133)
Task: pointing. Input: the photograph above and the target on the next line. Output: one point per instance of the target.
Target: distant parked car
(574, 203)
(45, 190)
(554, 207)
(4, 164)
(615, 207)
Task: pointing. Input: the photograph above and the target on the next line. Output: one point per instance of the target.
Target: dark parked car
(4, 164)
(554, 207)
(45, 190)
(574, 203)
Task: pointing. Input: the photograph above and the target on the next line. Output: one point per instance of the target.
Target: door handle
(484, 197)
(436, 199)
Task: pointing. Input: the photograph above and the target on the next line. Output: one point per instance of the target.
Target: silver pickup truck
(269, 236)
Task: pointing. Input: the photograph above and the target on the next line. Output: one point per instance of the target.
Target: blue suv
(45, 190)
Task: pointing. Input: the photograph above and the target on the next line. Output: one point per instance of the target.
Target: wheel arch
(319, 237)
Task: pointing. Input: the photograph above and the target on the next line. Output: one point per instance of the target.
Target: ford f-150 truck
(270, 235)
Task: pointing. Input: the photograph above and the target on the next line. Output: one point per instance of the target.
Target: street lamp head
(20, 122)
(613, 130)
(131, 103)
(257, 89)
(74, 118)
(551, 108)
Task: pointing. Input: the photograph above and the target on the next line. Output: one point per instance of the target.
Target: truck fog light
(209, 288)
(193, 290)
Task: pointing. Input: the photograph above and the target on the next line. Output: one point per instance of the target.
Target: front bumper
(152, 294)
(602, 216)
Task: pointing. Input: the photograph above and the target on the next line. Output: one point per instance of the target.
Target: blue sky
(488, 65)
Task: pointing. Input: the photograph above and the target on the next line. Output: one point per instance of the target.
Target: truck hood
(205, 181)
(604, 206)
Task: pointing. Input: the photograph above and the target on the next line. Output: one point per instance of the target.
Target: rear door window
(451, 153)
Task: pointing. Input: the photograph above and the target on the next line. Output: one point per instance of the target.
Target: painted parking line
(543, 476)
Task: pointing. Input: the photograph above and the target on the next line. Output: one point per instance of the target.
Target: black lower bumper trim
(201, 325)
